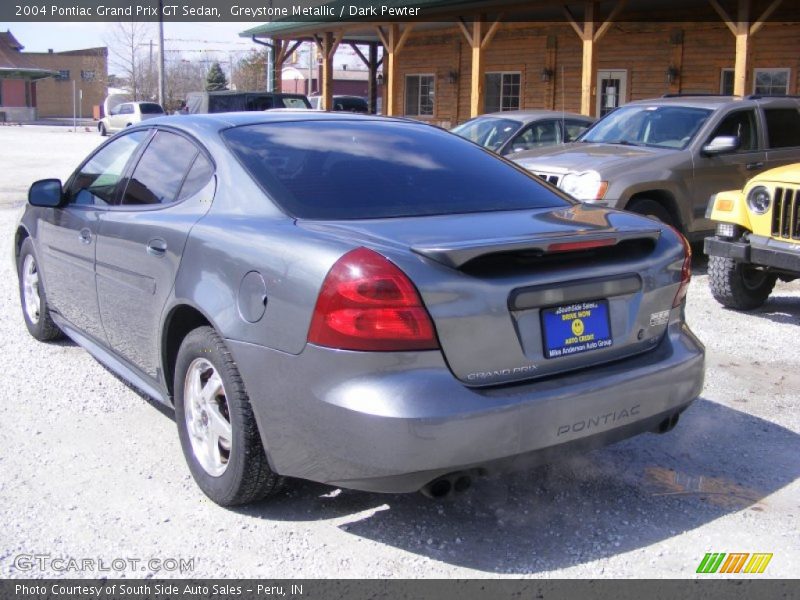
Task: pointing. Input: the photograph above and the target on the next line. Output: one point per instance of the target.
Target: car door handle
(753, 166)
(85, 236)
(157, 247)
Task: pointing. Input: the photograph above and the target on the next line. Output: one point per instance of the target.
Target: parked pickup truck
(232, 101)
(664, 158)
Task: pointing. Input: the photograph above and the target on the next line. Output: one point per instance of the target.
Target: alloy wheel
(207, 417)
(30, 289)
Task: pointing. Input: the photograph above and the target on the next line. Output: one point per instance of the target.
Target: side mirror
(722, 144)
(46, 192)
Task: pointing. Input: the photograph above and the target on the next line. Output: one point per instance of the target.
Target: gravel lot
(91, 469)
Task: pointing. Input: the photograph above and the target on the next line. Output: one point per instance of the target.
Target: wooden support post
(478, 37)
(277, 71)
(371, 63)
(327, 47)
(589, 61)
(743, 30)
(476, 88)
(742, 48)
(589, 37)
(393, 41)
(326, 90)
(282, 49)
(391, 71)
(372, 85)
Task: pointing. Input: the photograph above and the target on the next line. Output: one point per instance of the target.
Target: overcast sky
(195, 41)
(192, 40)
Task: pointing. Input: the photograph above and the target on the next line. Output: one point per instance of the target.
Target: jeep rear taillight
(367, 303)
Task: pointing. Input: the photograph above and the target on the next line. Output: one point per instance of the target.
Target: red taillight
(582, 245)
(686, 270)
(367, 303)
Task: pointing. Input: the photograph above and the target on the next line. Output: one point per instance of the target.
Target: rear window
(150, 108)
(295, 102)
(350, 104)
(371, 169)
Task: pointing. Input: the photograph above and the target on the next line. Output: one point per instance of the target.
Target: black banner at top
(383, 11)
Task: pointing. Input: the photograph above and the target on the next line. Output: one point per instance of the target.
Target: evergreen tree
(216, 80)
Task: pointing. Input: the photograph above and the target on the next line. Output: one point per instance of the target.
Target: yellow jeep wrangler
(757, 239)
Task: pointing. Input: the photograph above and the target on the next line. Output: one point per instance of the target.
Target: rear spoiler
(457, 254)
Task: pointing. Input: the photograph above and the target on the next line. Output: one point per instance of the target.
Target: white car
(127, 114)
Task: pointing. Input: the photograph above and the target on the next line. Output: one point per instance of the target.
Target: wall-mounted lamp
(547, 74)
(672, 74)
(379, 78)
(452, 77)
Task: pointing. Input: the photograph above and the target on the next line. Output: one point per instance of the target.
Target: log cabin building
(463, 59)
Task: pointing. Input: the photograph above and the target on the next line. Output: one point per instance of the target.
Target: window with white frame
(726, 82)
(420, 95)
(771, 82)
(87, 75)
(502, 91)
(63, 75)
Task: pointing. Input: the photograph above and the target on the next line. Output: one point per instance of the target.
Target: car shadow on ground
(608, 502)
(779, 309)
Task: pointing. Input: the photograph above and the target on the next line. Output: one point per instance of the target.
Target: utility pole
(311, 61)
(161, 52)
(150, 70)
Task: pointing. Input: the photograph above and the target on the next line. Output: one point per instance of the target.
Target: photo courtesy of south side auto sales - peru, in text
(165, 589)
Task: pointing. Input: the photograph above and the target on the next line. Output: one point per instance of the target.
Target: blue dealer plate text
(575, 328)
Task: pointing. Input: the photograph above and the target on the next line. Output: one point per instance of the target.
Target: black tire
(247, 476)
(42, 327)
(737, 285)
(652, 209)
(102, 129)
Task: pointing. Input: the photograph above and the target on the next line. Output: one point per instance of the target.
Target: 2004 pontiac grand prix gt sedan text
(366, 302)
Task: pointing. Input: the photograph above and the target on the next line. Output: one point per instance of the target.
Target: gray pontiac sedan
(367, 302)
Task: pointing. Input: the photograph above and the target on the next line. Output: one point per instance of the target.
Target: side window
(741, 124)
(536, 136)
(95, 184)
(127, 109)
(160, 172)
(572, 129)
(198, 177)
(783, 127)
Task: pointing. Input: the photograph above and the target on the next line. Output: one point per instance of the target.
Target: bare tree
(251, 71)
(182, 76)
(130, 55)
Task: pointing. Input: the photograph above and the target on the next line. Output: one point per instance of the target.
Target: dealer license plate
(576, 328)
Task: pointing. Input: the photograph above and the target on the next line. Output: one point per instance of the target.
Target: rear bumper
(761, 251)
(392, 422)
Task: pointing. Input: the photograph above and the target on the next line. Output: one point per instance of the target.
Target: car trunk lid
(505, 290)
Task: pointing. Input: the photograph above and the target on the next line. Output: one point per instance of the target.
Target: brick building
(584, 57)
(40, 84)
